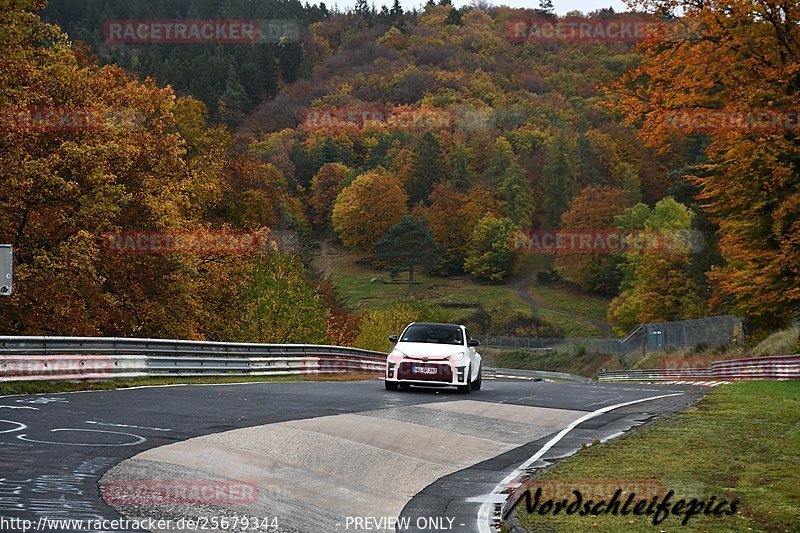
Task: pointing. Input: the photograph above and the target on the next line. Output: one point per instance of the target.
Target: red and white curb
(701, 383)
(524, 378)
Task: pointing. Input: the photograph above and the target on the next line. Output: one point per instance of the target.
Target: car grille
(436, 373)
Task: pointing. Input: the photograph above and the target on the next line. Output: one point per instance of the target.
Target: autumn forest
(424, 142)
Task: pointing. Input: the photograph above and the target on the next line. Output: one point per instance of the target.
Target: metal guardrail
(513, 373)
(70, 358)
(778, 367)
(129, 346)
(73, 358)
(72, 367)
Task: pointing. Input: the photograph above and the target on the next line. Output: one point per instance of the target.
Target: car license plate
(423, 370)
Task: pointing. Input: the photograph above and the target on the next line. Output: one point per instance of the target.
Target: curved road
(320, 455)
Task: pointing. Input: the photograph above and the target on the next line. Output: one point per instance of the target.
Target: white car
(434, 355)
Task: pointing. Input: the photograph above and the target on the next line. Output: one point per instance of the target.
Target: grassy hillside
(783, 342)
(569, 312)
(575, 362)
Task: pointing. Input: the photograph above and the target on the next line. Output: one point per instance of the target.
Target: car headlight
(457, 357)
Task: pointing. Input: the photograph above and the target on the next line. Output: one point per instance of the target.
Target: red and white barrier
(69, 367)
(775, 367)
(337, 364)
(780, 367)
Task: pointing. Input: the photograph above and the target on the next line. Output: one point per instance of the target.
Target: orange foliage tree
(145, 161)
(325, 187)
(64, 188)
(593, 209)
(366, 209)
(737, 59)
(452, 216)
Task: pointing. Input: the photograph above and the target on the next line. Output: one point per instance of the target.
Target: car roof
(435, 324)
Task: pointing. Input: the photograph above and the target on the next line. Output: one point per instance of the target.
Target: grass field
(573, 326)
(571, 300)
(582, 364)
(740, 442)
(576, 312)
(363, 287)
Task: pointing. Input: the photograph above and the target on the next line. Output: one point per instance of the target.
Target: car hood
(418, 350)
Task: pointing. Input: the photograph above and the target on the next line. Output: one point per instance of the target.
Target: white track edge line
(484, 511)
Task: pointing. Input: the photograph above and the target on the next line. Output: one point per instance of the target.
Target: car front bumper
(437, 373)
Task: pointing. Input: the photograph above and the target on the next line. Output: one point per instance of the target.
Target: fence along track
(778, 367)
(710, 332)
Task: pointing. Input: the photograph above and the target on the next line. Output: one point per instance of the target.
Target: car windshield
(433, 334)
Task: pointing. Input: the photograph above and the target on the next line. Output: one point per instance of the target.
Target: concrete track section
(307, 457)
(326, 473)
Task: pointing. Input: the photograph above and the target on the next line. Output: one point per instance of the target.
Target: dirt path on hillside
(327, 254)
(521, 290)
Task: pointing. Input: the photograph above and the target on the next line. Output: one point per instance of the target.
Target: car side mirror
(474, 342)
(393, 338)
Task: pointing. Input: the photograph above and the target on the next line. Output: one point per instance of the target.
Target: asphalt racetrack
(301, 456)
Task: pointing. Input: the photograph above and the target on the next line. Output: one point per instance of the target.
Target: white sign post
(6, 269)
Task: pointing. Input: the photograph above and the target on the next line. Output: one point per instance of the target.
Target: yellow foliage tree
(378, 324)
(366, 209)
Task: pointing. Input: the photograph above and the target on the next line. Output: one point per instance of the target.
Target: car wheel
(390, 385)
(404, 386)
(464, 389)
(476, 385)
